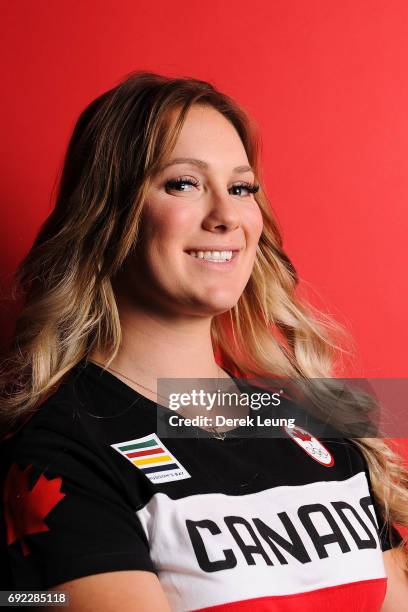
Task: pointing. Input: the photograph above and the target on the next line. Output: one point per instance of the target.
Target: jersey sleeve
(65, 515)
(388, 535)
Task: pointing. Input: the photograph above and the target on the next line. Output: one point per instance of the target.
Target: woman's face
(193, 209)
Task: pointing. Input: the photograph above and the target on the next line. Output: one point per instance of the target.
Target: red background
(327, 85)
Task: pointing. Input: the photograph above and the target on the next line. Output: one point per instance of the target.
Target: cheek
(253, 223)
(169, 227)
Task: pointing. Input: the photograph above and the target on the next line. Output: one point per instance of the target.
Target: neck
(155, 345)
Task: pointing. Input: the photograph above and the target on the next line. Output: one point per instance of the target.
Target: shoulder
(70, 437)
(349, 453)
(69, 499)
(52, 427)
(89, 407)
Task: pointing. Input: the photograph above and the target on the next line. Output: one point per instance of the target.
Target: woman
(161, 254)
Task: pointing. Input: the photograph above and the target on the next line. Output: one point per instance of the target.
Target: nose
(223, 214)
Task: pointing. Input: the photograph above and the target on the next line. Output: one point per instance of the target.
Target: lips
(213, 248)
(234, 250)
(216, 265)
(233, 254)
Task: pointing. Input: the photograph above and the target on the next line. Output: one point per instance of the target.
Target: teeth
(212, 255)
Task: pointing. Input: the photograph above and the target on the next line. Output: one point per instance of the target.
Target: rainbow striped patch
(151, 456)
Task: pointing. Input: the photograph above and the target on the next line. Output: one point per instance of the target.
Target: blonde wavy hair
(68, 307)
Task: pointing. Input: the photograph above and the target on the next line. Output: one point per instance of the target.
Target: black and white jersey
(239, 523)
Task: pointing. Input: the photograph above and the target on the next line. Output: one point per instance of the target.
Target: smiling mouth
(214, 256)
(218, 263)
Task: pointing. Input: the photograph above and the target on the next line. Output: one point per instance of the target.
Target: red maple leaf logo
(305, 437)
(25, 509)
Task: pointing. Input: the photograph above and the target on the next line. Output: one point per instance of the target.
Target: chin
(213, 301)
(216, 307)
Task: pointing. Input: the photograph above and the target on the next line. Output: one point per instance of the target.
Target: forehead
(208, 136)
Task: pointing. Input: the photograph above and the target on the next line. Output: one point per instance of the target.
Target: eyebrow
(201, 164)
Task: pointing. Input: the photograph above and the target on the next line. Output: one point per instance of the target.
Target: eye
(250, 187)
(177, 184)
